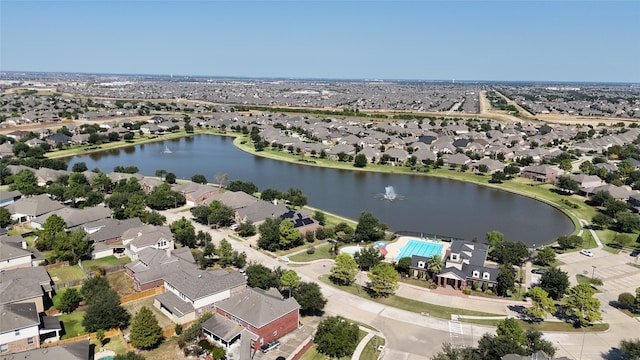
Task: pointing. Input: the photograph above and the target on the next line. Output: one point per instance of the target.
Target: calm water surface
(425, 204)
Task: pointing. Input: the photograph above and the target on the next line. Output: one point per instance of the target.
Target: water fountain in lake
(389, 193)
(166, 150)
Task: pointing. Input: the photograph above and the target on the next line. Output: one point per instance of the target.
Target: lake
(423, 204)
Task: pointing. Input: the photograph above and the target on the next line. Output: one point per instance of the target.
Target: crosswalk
(456, 333)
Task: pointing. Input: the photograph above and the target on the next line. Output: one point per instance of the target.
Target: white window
(421, 264)
(275, 332)
(454, 257)
(485, 275)
(4, 348)
(17, 332)
(30, 341)
(476, 274)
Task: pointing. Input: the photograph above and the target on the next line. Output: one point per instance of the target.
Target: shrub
(466, 291)
(178, 329)
(596, 281)
(311, 250)
(626, 299)
(489, 292)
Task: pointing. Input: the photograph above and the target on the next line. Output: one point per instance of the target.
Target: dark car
(539, 271)
(635, 253)
(270, 346)
(281, 358)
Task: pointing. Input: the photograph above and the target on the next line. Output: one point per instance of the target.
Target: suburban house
(259, 211)
(9, 197)
(465, 266)
(586, 181)
(28, 208)
(25, 285)
(233, 199)
(152, 264)
(264, 314)
(106, 235)
(190, 294)
(14, 253)
(19, 328)
(540, 173)
(145, 236)
(79, 350)
(195, 193)
(419, 266)
(74, 218)
(302, 220)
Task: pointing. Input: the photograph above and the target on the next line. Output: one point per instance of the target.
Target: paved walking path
(370, 334)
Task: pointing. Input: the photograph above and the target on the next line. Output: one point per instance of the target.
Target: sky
(573, 41)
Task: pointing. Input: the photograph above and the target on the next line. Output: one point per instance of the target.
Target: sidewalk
(370, 334)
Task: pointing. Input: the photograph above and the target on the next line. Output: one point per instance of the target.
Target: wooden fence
(142, 295)
(303, 350)
(56, 265)
(91, 336)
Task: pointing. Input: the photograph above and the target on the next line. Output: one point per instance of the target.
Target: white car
(586, 252)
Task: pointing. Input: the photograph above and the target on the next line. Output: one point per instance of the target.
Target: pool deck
(104, 354)
(394, 248)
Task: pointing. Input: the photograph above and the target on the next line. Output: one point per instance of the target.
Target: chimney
(168, 252)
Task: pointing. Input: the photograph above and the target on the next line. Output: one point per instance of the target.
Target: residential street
(410, 336)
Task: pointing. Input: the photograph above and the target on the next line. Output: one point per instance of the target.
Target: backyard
(67, 274)
(134, 306)
(104, 263)
(72, 324)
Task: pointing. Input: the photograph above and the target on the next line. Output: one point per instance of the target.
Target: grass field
(168, 350)
(544, 326)
(67, 274)
(113, 343)
(104, 263)
(321, 252)
(442, 312)
(135, 306)
(370, 351)
(72, 324)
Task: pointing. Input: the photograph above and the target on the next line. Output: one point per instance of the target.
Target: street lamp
(593, 271)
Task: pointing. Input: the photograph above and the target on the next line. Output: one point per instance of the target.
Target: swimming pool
(351, 250)
(420, 248)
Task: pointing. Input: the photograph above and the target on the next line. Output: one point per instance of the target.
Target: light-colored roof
(199, 284)
(79, 350)
(23, 283)
(147, 235)
(153, 264)
(34, 205)
(261, 210)
(18, 316)
(10, 248)
(76, 217)
(232, 199)
(258, 307)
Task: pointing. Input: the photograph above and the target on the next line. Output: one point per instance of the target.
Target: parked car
(235, 227)
(270, 346)
(539, 271)
(586, 252)
(635, 253)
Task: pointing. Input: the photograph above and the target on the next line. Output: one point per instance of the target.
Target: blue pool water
(420, 248)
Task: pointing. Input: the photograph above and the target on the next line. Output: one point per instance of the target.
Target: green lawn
(370, 351)
(104, 263)
(67, 274)
(583, 279)
(544, 326)
(59, 293)
(72, 324)
(442, 312)
(113, 343)
(321, 252)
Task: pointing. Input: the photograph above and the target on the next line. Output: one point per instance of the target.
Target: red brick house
(262, 315)
(540, 173)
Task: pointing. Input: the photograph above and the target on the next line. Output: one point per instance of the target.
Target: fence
(141, 295)
(427, 235)
(91, 336)
(56, 265)
(303, 350)
(69, 284)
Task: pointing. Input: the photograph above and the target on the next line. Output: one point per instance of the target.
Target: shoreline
(241, 142)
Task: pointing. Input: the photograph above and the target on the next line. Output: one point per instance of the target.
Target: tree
(626, 300)
(541, 305)
(94, 286)
(368, 257)
(507, 252)
(101, 182)
(535, 343)
(369, 228)
(601, 197)
(546, 256)
(449, 352)
(25, 182)
(435, 265)
(161, 173)
(199, 178)
(627, 222)
(320, 217)
(310, 298)
(384, 279)
(586, 167)
(483, 168)
(261, 277)
(131, 355)
(73, 246)
(296, 198)
(270, 195)
(623, 240)
(170, 178)
(224, 252)
(404, 266)
(565, 165)
(50, 229)
(568, 184)
(601, 220)
(493, 238)
(105, 312)
(184, 232)
(79, 167)
(570, 242)
(360, 161)
(336, 337)
(145, 331)
(288, 235)
(581, 304)
(244, 186)
(344, 270)
(631, 348)
(637, 304)
(70, 300)
(269, 234)
(506, 280)
(221, 178)
(289, 280)
(220, 214)
(5, 217)
(555, 282)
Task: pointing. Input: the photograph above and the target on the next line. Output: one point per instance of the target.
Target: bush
(466, 291)
(311, 250)
(178, 329)
(489, 292)
(596, 281)
(626, 300)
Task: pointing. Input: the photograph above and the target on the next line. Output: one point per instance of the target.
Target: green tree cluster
(145, 331)
(336, 337)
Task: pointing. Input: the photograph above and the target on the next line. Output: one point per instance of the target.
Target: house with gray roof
(106, 235)
(27, 208)
(25, 285)
(74, 218)
(457, 159)
(149, 269)
(259, 211)
(540, 173)
(146, 236)
(189, 294)
(14, 253)
(9, 197)
(233, 199)
(19, 324)
(492, 165)
(465, 266)
(265, 314)
(78, 350)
